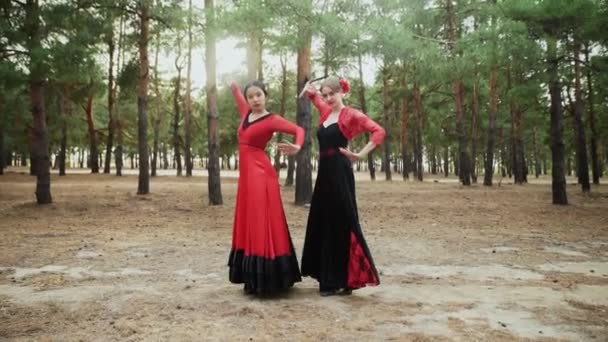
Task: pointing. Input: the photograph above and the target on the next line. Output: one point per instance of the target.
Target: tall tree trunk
(291, 169)
(404, 127)
(283, 104)
(118, 151)
(254, 53)
(535, 147)
(475, 129)
(418, 129)
(213, 142)
(110, 138)
(370, 156)
(142, 101)
(176, 113)
(40, 144)
(303, 193)
(595, 164)
(188, 112)
(65, 112)
(582, 162)
(458, 93)
(386, 121)
(446, 161)
(93, 149)
(165, 159)
(493, 113)
(557, 126)
(158, 111)
(517, 153)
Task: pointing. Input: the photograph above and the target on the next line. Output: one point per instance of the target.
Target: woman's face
(256, 99)
(331, 97)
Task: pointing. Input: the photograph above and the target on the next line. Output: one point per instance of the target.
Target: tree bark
(110, 138)
(303, 193)
(65, 112)
(370, 156)
(557, 126)
(595, 164)
(404, 127)
(475, 128)
(93, 148)
(118, 151)
(159, 113)
(40, 144)
(418, 130)
(142, 100)
(582, 162)
(386, 122)
(188, 112)
(535, 147)
(283, 104)
(214, 185)
(458, 93)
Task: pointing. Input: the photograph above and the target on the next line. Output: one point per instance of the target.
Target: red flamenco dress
(335, 251)
(262, 255)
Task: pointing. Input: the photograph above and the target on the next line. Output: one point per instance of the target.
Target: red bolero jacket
(351, 121)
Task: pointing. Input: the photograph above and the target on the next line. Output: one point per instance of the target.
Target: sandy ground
(462, 264)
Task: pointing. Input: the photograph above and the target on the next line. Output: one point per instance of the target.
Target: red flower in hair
(345, 86)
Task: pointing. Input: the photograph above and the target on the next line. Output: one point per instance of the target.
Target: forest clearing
(103, 264)
(141, 140)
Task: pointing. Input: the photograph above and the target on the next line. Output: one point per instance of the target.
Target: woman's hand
(350, 155)
(308, 89)
(289, 149)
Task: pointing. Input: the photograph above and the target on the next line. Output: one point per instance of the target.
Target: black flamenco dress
(335, 252)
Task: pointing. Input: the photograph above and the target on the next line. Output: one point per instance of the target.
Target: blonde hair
(332, 83)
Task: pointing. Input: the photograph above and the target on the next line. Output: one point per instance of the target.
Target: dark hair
(257, 84)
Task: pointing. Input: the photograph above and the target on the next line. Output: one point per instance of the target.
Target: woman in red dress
(262, 255)
(335, 252)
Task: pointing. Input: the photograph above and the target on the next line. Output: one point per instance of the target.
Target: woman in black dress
(335, 252)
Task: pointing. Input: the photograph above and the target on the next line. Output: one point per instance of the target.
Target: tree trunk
(40, 144)
(458, 93)
(475, 129)
(386, 122)
(493, 113)
(188, 112)
(176, 114)
(517, 153)
(110, 138)
(291, 168)
(158, 111)
(165, 159)
(65, 112)
(405, 116)
(537, 166)
(582, 162)
(557, 127)
(370, 156)
(446, 161)
(283, 104)
(303, 193)
(254, 54)
(213, 142)
(142, 101)
(418, 129)
(118, 151)
(595, 164)
(93, 152)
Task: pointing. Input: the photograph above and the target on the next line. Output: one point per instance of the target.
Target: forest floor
(463, 264)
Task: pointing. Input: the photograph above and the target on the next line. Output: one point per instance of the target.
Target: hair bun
(345, 86)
